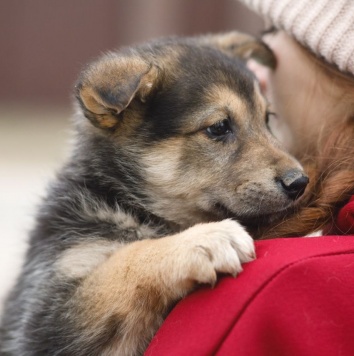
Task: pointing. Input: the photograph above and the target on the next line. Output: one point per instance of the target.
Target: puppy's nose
(294, 183)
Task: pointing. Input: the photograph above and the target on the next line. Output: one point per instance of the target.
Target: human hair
(330, 166)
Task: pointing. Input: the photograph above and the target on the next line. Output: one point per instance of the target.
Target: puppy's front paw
(205, 250)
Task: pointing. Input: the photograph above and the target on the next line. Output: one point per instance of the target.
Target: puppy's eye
(219, 130)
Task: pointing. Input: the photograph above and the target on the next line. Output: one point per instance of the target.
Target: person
(296, 297)
(312, 93)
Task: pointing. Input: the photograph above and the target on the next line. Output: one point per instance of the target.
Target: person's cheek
(272, 88)
(280, 125)
(276, 91)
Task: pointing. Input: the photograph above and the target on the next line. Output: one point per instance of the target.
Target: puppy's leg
(128, 296)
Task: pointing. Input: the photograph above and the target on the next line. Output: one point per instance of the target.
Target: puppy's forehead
(224, 97)
(235, 102)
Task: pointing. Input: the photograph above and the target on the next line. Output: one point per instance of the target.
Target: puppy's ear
(108, 86)
(242, 46)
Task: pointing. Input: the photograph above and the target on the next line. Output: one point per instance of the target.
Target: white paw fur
(196, 255)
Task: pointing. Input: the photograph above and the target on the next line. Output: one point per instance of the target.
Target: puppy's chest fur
(87, 229)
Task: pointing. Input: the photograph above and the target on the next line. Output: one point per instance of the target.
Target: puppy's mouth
(252, 219)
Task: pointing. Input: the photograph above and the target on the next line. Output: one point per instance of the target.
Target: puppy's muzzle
(293, 183)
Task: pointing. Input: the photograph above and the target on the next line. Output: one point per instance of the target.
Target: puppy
(172, 154)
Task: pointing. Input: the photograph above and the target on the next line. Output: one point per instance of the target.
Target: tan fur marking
(225, 97)
(92, 101)
(226, 40)
(243, 46)
(106, 121)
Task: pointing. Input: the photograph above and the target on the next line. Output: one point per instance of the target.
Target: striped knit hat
(324, 26)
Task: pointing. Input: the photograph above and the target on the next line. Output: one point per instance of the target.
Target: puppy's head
(192, 119)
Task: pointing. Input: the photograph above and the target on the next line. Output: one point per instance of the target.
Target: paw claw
(213, 281)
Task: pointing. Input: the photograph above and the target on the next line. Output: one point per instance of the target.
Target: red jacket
(297, 298)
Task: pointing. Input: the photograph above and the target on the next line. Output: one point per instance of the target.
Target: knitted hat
(326, 27)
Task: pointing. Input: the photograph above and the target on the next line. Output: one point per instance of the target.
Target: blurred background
(43, 46)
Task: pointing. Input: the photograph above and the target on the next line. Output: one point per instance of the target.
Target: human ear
(261, 73)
